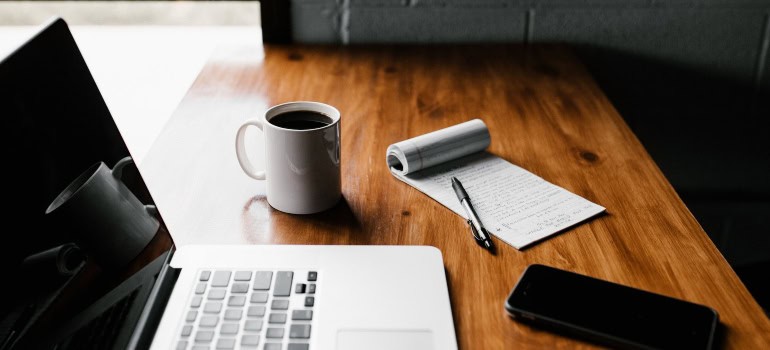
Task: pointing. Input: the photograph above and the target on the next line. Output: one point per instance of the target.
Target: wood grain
(545, 113)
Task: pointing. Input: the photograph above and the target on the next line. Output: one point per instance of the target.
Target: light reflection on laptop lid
(68, 178)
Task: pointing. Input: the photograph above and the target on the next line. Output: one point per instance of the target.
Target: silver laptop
(192, 297)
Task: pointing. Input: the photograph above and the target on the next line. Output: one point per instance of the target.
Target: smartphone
(609, 313)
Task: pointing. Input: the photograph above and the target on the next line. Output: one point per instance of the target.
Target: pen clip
(474, 231)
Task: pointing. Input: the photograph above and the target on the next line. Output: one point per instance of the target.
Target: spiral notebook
(515, 205)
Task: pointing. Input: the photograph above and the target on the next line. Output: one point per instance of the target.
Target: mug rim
(293, 106)
(81, 181)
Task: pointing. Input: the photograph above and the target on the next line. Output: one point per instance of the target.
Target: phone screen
(607, 311)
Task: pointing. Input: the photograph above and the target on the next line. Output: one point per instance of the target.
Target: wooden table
(545, 113)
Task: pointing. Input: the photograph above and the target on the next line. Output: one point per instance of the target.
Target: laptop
(60, 295)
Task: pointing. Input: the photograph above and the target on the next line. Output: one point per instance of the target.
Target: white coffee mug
(302, 166)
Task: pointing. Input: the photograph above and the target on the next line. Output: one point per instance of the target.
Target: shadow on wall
(709, 135)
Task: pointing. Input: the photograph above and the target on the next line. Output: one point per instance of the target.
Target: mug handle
(152, 210)
(240, 150)
(117, 173)
(117, 170)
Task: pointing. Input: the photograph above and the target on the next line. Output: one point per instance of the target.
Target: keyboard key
(233, 314)
(280, 304)
(191, 316)
(200, 347)
(262, 280)
(212, 307)
(229, 328)
(259, 297)
(236, 300)
(302, 315)
(221, 279)
(274, 333)
(300, 288)
(186, 330)
(277, 318)
(200, 288)
(209, 321)
(242, 276)
(240, 288)
(273, 346)
(309, 301)
(299, 346)
(311, 288)
(312, 276)
(250, 340)
(256, 311)
(253, 325)
(283, 283)
(205, 276)
(299, 331)
(225, 343)
(216, 294)
(204, 336)
(196, 301)
(181, 345)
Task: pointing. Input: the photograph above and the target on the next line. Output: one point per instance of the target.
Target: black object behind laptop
(609, 313)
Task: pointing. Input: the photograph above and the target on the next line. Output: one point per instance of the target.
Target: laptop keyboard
(266, 310)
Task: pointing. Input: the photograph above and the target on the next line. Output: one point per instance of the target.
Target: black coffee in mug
(301, 120)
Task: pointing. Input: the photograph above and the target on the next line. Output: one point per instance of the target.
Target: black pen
(477, 229)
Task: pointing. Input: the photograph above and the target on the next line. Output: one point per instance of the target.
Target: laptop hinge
(156, 304)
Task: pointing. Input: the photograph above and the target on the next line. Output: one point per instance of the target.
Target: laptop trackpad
(356, 339)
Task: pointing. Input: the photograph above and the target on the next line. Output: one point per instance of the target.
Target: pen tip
(489, 246)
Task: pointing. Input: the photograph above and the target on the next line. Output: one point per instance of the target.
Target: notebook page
(515, 205)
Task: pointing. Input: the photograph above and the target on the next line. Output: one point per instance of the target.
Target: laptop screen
(72, 192)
